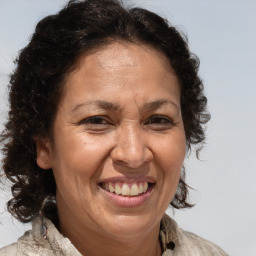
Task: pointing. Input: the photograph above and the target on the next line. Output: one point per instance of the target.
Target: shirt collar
(44, 230)
(169, 234)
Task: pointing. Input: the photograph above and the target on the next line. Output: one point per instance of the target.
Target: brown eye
(159, 122)
(94, 120)
(96, 124)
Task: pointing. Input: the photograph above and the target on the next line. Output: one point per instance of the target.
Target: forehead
(120, 55)
(130, 69)
(123, 54)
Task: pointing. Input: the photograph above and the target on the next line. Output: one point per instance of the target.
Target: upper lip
(125, 179)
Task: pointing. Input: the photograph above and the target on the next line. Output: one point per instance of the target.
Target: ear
(43, 150)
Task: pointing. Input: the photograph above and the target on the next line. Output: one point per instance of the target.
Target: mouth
(125, 189)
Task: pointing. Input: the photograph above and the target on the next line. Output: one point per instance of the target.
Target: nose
(131, 148)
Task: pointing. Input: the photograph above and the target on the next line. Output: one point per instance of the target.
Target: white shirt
(45, 239)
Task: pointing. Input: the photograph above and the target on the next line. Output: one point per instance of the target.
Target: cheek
(169, 154)
(77, 165)
(170, 151)
(169, 159)
(81, 155)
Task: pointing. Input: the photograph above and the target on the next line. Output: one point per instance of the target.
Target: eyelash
(158, 119)
(156, 122)
(94, 120)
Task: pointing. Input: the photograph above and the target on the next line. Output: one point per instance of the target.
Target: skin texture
(127, 141)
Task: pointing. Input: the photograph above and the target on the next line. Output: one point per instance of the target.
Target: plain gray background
(223, 35)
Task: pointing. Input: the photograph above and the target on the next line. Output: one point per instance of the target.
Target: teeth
(111, 187)
(126, 189)
(106, 186)
(145, 187)
(140, 188)
(118, 189)
(134, 190)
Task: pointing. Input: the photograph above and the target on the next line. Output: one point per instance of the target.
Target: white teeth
(118, 189)
(111, 187)
(145, 187)
(134, 190)
(126, 189)
(140, 188)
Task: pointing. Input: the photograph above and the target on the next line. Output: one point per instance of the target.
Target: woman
(104, 104)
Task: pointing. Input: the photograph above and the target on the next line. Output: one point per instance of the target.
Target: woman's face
(118, 141)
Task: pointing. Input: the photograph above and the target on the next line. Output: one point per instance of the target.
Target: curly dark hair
(36, 86)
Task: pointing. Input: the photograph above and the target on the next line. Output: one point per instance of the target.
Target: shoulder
(43, 239)
(186, 243)
(32, 243)
(10, 250)
(18, 248)
(193, 242)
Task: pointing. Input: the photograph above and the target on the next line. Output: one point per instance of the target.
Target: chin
(130, 225)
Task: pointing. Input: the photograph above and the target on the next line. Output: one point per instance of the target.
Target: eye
(96, 123)
(94, 120)
(159, 122)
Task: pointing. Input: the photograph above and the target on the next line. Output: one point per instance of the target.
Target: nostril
(131, 162)
(131, 151)
(119, 162)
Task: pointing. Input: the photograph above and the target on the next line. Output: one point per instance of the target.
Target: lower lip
(128, 201)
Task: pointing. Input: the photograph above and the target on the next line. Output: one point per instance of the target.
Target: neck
(89, 243)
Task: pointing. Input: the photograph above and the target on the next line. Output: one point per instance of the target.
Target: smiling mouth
(127, 189)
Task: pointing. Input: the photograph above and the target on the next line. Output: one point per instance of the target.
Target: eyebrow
(158, 103)
(99, 103)
(114, 107)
